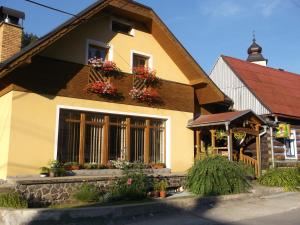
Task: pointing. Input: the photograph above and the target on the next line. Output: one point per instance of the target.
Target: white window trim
(101, 44)
(150, 61)
(131, 33)
(295, 146)
(167, 118)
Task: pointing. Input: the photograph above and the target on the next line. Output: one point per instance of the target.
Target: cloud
(267, 7)
(221, 8)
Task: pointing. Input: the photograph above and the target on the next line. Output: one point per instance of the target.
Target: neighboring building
(274, 94)
(46, 112)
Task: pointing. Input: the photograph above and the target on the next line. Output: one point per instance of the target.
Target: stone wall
(40, 192)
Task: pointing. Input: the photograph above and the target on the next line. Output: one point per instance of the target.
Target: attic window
(120, 27)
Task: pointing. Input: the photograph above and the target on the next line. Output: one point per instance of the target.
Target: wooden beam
(127, 154)
(213, 138)
(104, 152)
(198, 144)
(82, 139)
(147, 142)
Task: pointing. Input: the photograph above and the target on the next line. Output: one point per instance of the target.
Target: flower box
(147, 75)
(104, 88)
(147, 95)
(106, 68)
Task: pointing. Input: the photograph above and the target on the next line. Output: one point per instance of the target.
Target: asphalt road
(278, 209)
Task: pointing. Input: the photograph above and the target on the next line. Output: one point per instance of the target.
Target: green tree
(28, 38)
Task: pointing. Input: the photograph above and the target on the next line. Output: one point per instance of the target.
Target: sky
(206, 28)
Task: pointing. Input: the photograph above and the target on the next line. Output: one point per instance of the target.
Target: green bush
(248, 170)
(132, 186)
(12, 200)
(288, 178)
(215, 175)
(88, 193)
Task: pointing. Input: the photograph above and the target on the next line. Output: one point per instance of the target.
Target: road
(281, 209)
(276, 209)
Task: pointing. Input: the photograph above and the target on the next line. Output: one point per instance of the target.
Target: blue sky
(207, 28)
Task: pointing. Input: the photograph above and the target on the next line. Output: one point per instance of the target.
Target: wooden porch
(230, 134)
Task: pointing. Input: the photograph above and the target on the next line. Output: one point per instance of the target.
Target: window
(120, 27)
(140, 60)
(97, 51)
(290, 146)
(89, 137)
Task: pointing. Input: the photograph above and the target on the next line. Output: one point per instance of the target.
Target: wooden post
(127, 157)
(104, 152)
(198, 144)
(229, 145)
(82, 139)
(147, 142)
(258, 155)
(213, 139)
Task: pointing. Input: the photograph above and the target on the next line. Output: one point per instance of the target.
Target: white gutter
(228, 141)
(272, 147)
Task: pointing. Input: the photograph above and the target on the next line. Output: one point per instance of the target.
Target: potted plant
(55, 167)
(158, 165)
(163, 184)
(44, 171)
(104, 88)
(71, 166)
(156, 189)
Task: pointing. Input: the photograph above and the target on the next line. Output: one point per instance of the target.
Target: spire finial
(253, 35)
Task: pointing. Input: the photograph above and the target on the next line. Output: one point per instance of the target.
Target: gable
(73, 47)
(193, 74)
(278, 90)
(223, 76)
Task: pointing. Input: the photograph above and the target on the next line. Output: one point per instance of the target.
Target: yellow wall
(33, 127)
(72, 48)
(5, 128)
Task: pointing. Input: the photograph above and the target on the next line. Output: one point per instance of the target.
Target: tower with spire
(254, 53)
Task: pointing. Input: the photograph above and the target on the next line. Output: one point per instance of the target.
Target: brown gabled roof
(160, 31)
(220, 118)
(277, 90)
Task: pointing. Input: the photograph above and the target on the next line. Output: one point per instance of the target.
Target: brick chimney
(10, 32)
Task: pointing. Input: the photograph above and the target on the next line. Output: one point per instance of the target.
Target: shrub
(12, 200)
(163, 184)
(248, 170)
(132, 186)
(288, 178)
(216, 175)
(88, 193)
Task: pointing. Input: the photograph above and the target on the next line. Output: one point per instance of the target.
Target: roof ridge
(264, 67)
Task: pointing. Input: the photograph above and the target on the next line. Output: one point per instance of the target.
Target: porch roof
(220, 118)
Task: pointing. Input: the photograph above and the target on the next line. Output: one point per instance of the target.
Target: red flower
(101, 87)
(129, 181)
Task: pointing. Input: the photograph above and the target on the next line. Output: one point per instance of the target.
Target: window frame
(293, 134)
(99, 44)
(122, 21)
(143, 54)
(167, 140)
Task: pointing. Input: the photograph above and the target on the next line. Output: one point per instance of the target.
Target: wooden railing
(250, 161)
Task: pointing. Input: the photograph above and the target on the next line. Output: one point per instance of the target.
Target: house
(53, 107)
(273, 94)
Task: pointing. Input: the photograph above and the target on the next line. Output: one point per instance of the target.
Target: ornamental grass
(216, 175)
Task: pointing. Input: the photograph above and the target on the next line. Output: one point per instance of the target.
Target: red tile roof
(277, 90)
(219, 118)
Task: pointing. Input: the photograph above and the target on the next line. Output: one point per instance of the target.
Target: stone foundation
(46, 191)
